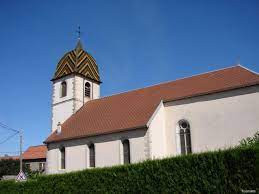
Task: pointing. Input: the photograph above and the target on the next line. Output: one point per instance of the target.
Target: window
(63, 89)
(28, 166)
(185, 137)
(182, 140)
(63, 158)
(87, 89)
(41, 166)
(126, 151)
(188, 141)
(92, 155)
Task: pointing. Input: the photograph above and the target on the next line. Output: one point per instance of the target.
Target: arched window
(185, 137)
(63, 158)
(87, 89)
(63, 89)
(188, 140)
(182, 140)
(126, 151)
(91, 155)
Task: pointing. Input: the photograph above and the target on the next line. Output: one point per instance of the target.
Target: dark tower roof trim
(78, 62)
(78, 74)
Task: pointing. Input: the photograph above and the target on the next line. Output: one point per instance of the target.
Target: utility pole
(20, 131)
(21, 176)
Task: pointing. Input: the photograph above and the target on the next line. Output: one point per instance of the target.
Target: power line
(7, 127)
(15, 133)
(9, 137)
(10, 129)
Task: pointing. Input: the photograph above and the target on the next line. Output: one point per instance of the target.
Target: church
(204, 112)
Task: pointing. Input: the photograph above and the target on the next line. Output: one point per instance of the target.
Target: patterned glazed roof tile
(78, 61)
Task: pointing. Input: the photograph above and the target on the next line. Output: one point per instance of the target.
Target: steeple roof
(77, 61)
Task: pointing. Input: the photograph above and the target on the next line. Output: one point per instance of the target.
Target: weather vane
(78, 32)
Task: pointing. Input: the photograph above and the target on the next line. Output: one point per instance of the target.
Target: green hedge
(11, 167)
(227, 171)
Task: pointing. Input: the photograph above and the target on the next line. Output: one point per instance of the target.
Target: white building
(195, 114)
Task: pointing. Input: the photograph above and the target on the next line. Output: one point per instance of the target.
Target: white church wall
(79, 92)
(137, 151)
(107, 151)
(62, 107)
(61, 112)
(96, 90)
(157, 133)
(218, 120)
(76, 157)
(52, 161)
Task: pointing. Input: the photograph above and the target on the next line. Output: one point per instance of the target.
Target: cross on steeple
(78, 45)
(78, 32)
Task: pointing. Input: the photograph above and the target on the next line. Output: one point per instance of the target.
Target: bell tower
(76, 81)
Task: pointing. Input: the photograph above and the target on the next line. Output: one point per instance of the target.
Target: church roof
(133, 109)
(77, 61)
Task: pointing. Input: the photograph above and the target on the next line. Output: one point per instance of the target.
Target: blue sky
(136, 43)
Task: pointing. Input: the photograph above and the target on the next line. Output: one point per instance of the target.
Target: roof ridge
(166, 82)
(37, 146)
(250, 70)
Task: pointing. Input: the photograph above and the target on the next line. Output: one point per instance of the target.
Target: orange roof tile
(35, 152)
(133, 109)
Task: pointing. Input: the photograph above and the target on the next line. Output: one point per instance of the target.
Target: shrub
(251, 141)
(11, 167)
(227, 171)
(33, 174)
